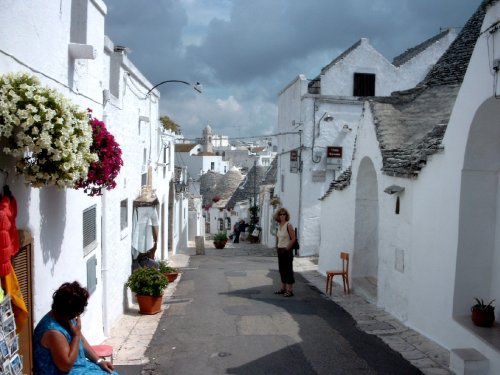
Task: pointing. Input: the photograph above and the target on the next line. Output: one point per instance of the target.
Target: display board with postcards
(11, 361)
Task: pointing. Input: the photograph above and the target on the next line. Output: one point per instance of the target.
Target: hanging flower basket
(102, 172)
(275, 201)
(50, 137)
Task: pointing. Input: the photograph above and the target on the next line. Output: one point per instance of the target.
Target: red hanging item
(6, 243)
(14, 235)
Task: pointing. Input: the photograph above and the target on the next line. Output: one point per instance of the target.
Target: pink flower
(103, 172)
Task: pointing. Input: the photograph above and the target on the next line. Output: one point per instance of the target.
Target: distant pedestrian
(285, 241)
(243, 228)
(236, 232)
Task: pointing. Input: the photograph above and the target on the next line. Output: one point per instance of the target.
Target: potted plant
(220, 239)
(148, 284)
(275, 201)
(483, 314)
(170, 273)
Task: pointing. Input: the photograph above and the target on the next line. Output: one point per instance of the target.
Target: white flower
(51, 136)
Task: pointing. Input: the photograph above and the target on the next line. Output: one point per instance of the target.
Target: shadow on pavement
(328, 333)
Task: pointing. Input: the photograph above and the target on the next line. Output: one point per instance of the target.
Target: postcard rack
(11, 361)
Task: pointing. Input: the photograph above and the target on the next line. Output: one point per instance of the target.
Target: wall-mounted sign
(294, 161)
(318, 176)
(334, 152)
(334, 158)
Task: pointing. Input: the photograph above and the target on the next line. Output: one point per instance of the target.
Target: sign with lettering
(334, 152)
(294, 161)
(318, 176)
(334, 158)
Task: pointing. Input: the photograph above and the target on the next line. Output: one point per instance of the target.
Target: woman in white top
(285, 240)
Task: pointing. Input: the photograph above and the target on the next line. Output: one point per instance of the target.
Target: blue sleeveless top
(43, 359)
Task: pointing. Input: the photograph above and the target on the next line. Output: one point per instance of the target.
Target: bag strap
(288, 230)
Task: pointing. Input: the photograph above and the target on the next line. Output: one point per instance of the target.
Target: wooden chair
(344, 273)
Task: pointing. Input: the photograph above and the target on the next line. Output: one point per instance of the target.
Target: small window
(91, 274)
(123, 214)
(164, 162)
(78, 28)
(212, 166)
(144, 175)
(221, 224)
(364, 84)
(89, 229)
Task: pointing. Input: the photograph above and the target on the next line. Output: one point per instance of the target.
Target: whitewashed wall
(413, 70)
(37, 43)
(461, 199)
(296, 106)
(290, 117)
(338, 79)
(442, 250)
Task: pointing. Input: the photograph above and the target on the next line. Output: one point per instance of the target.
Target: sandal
(288, 294)
(280, 291)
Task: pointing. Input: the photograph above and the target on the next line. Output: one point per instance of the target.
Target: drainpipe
(104, 260)
(299, 224)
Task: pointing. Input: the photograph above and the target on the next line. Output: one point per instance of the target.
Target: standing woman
(285, 239)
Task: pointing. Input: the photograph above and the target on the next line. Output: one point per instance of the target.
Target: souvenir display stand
(11, 361)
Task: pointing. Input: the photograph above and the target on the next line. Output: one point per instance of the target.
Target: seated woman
(58, 343)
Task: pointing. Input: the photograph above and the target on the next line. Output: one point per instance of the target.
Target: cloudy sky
(244, 52)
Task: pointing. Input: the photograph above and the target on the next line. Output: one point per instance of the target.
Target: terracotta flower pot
(149, 305)
(220, 244)
(483, 317)
(171, 276)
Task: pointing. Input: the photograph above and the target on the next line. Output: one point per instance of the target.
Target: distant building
(319, 121)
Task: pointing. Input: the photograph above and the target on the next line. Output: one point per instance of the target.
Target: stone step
(468, 361)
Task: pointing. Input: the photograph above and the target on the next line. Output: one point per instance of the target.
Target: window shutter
(92, 274)
(89, 229)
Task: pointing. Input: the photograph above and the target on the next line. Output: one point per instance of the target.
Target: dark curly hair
(70, 300)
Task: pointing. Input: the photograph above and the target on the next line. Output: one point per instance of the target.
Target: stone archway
(365, 254)
(478, 251)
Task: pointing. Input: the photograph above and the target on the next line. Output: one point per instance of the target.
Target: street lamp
(326, 117)
(198, 87)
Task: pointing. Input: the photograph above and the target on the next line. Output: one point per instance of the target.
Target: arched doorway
(478, 251)
(365, 254)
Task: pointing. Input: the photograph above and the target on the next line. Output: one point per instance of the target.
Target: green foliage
(254, 218)
(165, 268)
(221, 236)
(168, 124)
(147, 281)
(481, 305)
(275, 201)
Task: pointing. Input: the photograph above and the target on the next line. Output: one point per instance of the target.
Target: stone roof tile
(411, 124)
(245, 190)
(410, 53)
(340, 183)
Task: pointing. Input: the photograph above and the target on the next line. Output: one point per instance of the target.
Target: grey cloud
(261, 47)
(264, 36)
